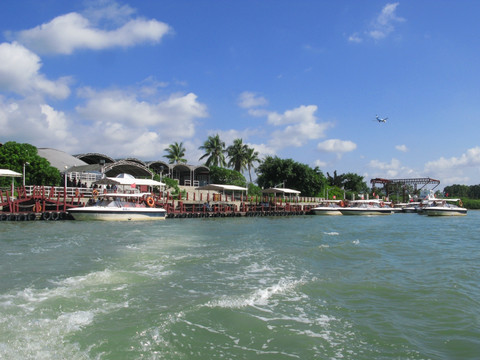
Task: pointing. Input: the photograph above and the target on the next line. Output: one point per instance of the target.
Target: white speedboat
(120, 207)
(328, 207)
(443, 207)
(411, 207)
(367, 207)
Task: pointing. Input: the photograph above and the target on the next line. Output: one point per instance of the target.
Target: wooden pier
(52, 203)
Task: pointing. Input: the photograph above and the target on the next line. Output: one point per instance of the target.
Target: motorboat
(328, 207)
(445, 207)
(367, 207)
(120, 207)
(411, 207)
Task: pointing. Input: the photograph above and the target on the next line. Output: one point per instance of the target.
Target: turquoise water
(307, 287)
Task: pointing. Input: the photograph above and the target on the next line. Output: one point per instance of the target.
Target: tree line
(462, 191)
(226, 164)
(271, 171)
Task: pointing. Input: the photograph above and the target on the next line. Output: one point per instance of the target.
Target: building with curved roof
(95, 158)
(90, 167)
(60, 159)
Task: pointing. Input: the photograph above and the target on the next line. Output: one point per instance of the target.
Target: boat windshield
(116, 202)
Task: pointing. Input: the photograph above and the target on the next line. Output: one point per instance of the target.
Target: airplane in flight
(381, 120)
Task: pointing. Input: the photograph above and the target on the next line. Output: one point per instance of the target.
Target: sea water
(402, 286)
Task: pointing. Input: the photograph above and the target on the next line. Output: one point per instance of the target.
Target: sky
(301, 79)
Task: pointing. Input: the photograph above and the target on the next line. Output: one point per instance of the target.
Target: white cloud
(69, 32)
(382, 26)
(391, 170)
(355, 38)
(36, 123)
(337, 146)
(100, 10)
(453, 170)
(301, 126)
(320, 163)
(402, 148)
(127, 126)
(20, 73)
(384, 23)
(249, 100)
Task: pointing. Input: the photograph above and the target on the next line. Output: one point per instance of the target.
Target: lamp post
(25, 163)
(102, 164)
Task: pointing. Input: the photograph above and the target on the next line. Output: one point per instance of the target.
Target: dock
(32, 203)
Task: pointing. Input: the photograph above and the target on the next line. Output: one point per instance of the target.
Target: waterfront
(390, 287)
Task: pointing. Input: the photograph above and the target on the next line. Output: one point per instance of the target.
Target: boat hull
(326, 211)
(121, 214)
(445, 212)
(366, 211)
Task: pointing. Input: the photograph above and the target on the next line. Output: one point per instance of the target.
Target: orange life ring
(342, 204)
(77, 193)
(38, 207)
(150, 201)
(95, 193)
(382, 204)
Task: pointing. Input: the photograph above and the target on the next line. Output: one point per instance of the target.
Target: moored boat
(120, 207)
(328, 207)
(445, 208)
(367, 207)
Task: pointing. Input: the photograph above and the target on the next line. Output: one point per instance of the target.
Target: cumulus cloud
(355, 38)
(337, 146)
(137, 127)
(300, 125)
(20, 73)
(382, 26)
(391, 170)
(36, 123)
(67, 33)
(402, 148)
(249, 100)
(455, 165)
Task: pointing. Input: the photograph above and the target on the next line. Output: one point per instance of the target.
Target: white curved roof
(9, 173)
(60, 159)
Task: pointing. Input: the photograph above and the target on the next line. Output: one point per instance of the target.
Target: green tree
(38, 170)
(225, 176)
(335, 180)
(176, 153)
(214, 151)
(273, 171)
(237, 155)
(355, 183)
(250, 159)
(456, 190)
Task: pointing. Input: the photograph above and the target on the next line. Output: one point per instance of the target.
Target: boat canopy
(133, 181)
(221, 187)
(9, 173)
(280, 191)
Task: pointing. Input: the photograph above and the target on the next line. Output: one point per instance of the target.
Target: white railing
(57, 191)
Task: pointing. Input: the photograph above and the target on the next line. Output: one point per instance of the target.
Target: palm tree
(215, 151)
(175, 153)
(237, 154)
(251, 157)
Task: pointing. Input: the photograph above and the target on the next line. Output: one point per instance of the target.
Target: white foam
(332, 233)
(260, 297)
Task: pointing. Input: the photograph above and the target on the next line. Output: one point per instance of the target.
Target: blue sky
(297, 79)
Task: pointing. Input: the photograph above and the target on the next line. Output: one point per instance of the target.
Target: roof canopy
(9, 173)
(132, 180)
(280, 191)
(219, 187)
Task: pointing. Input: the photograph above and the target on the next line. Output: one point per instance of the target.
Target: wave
(259, 297)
